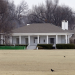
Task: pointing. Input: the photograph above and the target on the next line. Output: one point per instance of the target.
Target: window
(35, 37)
(52, 40)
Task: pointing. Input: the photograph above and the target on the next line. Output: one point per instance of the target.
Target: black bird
(64, 56)
(52, 70)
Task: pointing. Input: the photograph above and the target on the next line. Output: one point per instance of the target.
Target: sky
(70, 3)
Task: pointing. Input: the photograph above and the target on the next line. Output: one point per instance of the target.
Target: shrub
(21, 45)
(45, 46)
(13, 47)
(6, 45)
(65, 46)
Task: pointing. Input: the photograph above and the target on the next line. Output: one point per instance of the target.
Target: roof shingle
(39, 28)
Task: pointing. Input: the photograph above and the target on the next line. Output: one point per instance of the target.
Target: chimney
(28, 24)
(65, 25)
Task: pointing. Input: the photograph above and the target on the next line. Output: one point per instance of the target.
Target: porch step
(31, 47)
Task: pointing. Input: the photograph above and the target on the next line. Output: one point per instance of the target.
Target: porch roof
(40, 28)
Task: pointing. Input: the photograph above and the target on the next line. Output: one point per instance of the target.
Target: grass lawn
(37, 62)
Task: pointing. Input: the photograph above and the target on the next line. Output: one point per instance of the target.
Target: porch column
(10, 39)
(66, 38)
(47, 39)
(1, 39)
(29, 39)
(38, 39)
(19, 39)
(56, 39)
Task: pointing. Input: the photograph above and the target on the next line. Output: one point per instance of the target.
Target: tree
(63, 13)
(21, 12)
(43, 13)
(51, 12)
(37, 14)
(5, 19)
(11, 17)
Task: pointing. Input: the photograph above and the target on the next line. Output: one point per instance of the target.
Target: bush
(65, 46)
(44, 46)
(21, 45)
(6, 45)
(13, 47)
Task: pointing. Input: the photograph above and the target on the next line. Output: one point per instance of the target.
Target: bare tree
(37, 14)
(5, 22)
(62, 13)
(51, 12)
(21, 12)
(10, 15)
(43, 13)
(5, 17)
(50, 9)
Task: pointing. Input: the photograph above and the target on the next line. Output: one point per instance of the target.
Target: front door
(52, 41)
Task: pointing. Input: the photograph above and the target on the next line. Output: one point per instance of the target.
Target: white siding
(14, 39)
(63, 41)
(10, 40)
(59, 39)
(42, 38)
(23, 41)
(32, 40)
(51, 37)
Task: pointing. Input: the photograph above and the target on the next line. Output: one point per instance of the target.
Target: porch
(40, 39)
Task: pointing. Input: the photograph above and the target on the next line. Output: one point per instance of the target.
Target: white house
(41, 33)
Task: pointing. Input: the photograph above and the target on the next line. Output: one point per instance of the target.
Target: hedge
(21, 45)
(13, 47)
(45, 46)
(65, 46)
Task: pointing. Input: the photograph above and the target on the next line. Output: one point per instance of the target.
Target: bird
(64, 56)
(52, 70)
